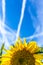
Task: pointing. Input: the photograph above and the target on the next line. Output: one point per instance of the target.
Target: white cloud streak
(3, 11)
(39, 6)
(37, 21)
(33, 36)
(21, 18)
(9, 37)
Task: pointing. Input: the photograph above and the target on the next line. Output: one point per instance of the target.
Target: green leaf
(1, 50)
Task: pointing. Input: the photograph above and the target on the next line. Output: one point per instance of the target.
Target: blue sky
(31, 23)
(13, 12)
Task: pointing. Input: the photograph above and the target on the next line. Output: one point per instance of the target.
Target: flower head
(22, 54)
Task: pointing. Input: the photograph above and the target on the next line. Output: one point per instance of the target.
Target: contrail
(5, 31)
(39, 6)
(35, 20)
(21, 18)
(33, 36)
(6, 27)
(3, 17)
(8, 34)
(3, 11)
(40, 13)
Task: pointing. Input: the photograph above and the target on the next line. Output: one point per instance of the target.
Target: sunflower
(22, 54)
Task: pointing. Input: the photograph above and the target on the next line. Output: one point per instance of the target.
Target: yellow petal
(11, 47)
(5, 59)
(32, 46)
(25, 44)
(5, 62)
(37, 62)
(38, 56)
(6, 55)
(19, 44)
(8, 51)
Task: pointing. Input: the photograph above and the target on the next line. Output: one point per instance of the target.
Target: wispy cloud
(37, 20)
(21, 18)
(3, 11)
(33, 36)
(9, 35)
(39, 6)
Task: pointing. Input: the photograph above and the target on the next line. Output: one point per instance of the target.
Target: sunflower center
(21, 60)
(22, 57)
